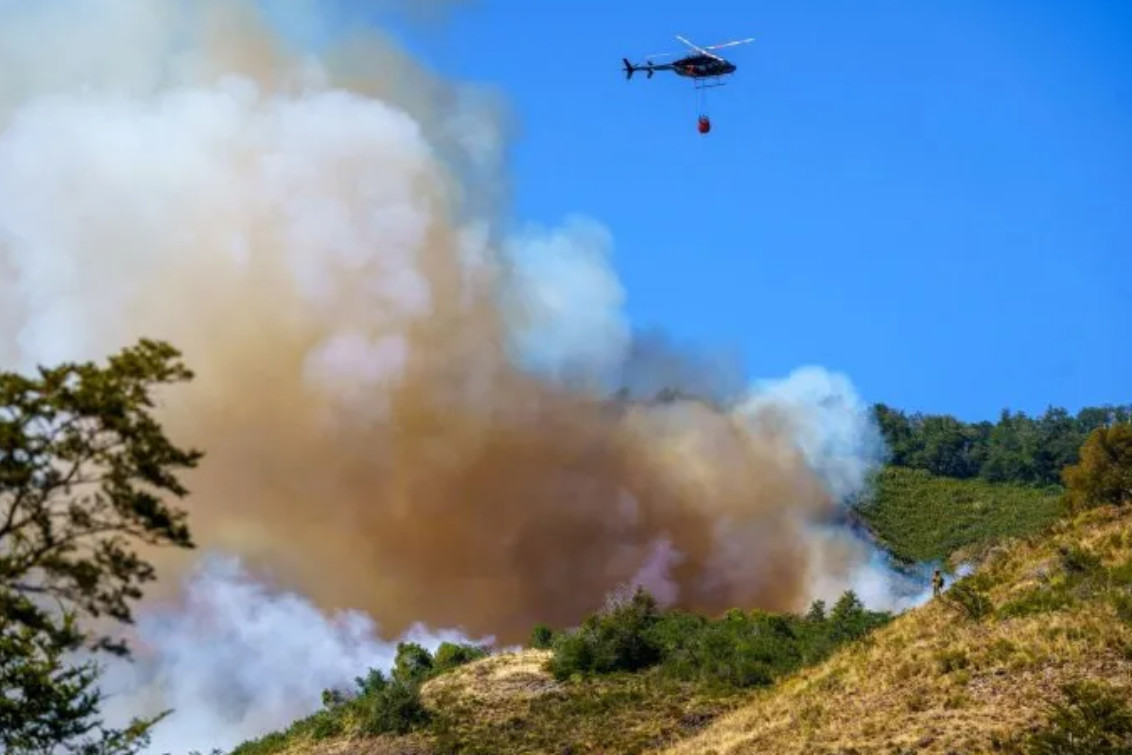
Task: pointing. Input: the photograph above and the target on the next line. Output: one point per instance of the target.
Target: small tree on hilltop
(1103, 474)
(83, 467)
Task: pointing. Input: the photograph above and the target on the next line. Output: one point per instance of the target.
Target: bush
(396, 708)
(451, 655)
(1103, 473)
(413, 664)
(739, 650)
(966, 595)
(617, 639)
(542, 637)
(1093, 719)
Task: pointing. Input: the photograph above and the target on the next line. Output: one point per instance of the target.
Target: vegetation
(918, 516)
(380, 704)
(83, 467)
(739, 650)
(968, 672)
(971, 672)
(631, 678)
(1016, 449)
(1092, 718)
(1103, 474)
(509, 704)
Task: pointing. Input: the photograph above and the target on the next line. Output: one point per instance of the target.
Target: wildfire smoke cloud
(382, 385)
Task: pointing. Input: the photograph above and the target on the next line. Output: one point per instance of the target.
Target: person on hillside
(937, 583)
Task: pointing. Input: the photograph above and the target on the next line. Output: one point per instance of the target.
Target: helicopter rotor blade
(697, 48)
(730, 44)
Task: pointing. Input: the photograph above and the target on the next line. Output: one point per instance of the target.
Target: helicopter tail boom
(630, 69)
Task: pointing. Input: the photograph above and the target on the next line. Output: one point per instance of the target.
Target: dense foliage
(1092, 718)
(83, 467)
(1103, 475)
(740, 649)
(919, 517)
(1015, 449)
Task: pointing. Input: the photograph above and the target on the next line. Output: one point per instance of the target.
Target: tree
(899, 434)
(83, 468)
(413, 663)
(1104, 473)
(1016, 449)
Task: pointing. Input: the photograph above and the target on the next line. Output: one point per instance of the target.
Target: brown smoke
(318, 240)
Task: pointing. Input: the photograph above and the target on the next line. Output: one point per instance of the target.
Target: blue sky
(932, 197)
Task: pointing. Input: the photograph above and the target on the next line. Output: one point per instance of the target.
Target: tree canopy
(84, 471)
(1017, 448)
(1103, 475)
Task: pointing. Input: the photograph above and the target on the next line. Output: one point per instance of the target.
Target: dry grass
(510, 704)
(410, 745)
(493, 682)
(936, 681)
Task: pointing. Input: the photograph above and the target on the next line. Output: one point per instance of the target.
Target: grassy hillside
(1044, 622)
(1040, 635)
(632, 678)
(509, 703)
(921, 517)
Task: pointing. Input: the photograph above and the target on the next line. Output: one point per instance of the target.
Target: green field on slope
(922, 517)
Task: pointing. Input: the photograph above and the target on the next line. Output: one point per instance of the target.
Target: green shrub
(542, 637)
(373, 681)
(324, 724)
(451, 655)
(1093, 719)
(617, 639)
(396, 708)
(1078, 562)
(971, 600)
(413, 664)
(850, 621)
(738, 650)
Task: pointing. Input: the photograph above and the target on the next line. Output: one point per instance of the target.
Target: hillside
(975, 670)
(919, 516)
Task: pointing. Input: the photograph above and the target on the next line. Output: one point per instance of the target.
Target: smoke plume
(401, 406)
(235, 658)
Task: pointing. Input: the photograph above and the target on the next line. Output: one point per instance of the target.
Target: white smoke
(565, 301)
(842, 559)
(841, 440)
(235, 659)
(829, 422)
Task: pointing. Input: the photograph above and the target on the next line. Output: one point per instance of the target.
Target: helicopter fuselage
(701, 66)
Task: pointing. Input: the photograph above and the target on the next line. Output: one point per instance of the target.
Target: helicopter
(701, 67)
